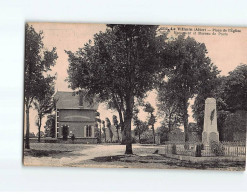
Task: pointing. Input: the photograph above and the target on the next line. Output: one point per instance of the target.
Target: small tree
(43, 102)
(140, 130)
(98, 120)
(116, 124)
(31, 135)
(137, 123)
(40, 134)
(163, 131)
(108, 124)
(152, 119)
(50, 126)
(103, 129)
(168, 106)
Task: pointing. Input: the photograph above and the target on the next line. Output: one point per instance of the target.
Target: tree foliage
(38, 61)
(189, 68)
(44, 102)
(116, 124)
(103, 129)
(169, 106)
(236, 89)
(50, 126)
(119, 65)
(230, 94)
(108, 124)
(152, 118)
(138, 123)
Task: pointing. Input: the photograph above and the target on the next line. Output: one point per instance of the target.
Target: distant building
(74, 115)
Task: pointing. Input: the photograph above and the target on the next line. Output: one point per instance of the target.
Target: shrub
(147, 137)
(186, 146)
(65, 133)
(174, 149)
(217, 148)
(198, 150)
(73, 138)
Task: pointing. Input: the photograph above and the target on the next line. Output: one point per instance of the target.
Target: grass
(158, 159)
(143, 157)
(43, 153)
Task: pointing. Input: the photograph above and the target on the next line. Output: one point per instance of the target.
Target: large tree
(230, 93)
(37, 62)
(236, 89)
(44, 102)
(121, 64)
(188, 69)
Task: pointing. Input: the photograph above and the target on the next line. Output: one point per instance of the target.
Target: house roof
(70, 100)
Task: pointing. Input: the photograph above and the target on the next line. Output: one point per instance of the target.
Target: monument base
(208, 137)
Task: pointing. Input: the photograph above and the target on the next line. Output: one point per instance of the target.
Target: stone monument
(210, 132)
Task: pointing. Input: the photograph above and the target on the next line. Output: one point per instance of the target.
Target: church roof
(70, 100)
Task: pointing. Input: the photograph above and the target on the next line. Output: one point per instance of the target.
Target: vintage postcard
(135, 96)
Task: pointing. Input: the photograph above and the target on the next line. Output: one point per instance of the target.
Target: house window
(88, 131)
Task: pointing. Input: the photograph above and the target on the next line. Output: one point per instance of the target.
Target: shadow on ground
(50, 153)
(160, 159)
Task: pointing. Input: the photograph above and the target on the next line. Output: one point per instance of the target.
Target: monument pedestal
(210, 132)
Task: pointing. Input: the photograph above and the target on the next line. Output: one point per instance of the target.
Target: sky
(226, 49)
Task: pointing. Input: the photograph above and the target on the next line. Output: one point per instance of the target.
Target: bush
(217, 148)
(174, 149)
(65, 133)
(147, 137)
(186, 146)
(198, 150)
(73, 138)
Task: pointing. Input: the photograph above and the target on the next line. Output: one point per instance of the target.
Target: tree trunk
(100, 132)
(185, 120)
(123, 136)
(111, 134)
(128, 140)
(153, 133)
(122, 127)
(139, 135)
(169, 124)
(127, 124)
(27, 145)
(117, 134)
(39, 128)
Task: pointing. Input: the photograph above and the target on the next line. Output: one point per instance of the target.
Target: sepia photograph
(135, 96)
